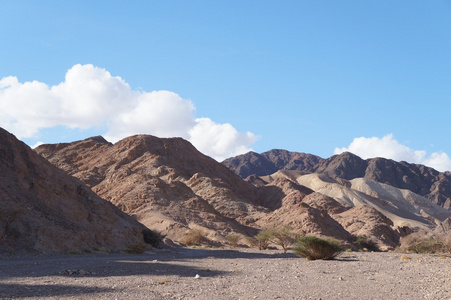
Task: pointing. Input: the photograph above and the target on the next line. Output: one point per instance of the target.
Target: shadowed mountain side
(270, 162)
(44, 209)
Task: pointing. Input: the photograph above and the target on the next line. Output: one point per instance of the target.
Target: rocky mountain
(164, 183)
(171, 187)
(270, 162)
(43, 209)
(422, 180)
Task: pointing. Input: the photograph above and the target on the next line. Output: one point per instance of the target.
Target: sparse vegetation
(432, 245)
(313, 248)
(103, 249)
(73, 251)
(193, 237)
(365, 243)
(233, 239)
(153, 238)
(424, 242)
(253, 242)
(282, 237)
(136, 249)
(263, 240)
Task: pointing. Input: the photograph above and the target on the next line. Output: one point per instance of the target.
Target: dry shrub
(253, 242)
(425, 242)
(136, 249)
(313, 248)
(363, 242)
(448, 242)
(233, 239)
(193, 237)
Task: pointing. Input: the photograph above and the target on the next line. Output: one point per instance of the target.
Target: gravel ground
(225, 274)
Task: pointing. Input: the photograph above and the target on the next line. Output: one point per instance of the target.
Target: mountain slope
(44, 209)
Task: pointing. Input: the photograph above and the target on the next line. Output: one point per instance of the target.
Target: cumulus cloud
(90, 97)
(221, 140)
(389, 147)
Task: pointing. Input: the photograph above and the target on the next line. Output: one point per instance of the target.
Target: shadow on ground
(14, 291)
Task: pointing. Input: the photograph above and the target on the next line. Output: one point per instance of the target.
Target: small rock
(197, 276)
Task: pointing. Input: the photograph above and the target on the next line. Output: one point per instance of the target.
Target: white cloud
(90, 97)
(222, 140)
(160, 113)
(389, 147)
(39, 143)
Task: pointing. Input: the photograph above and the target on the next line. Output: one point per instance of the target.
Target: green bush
(313, 247)
(263, 238)
(424, 242)
(428, 246)
(282, 237)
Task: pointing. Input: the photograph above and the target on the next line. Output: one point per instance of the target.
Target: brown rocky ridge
(164, 183)
(171, 187)
(45, 210)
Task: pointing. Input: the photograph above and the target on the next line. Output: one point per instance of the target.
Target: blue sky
(321, 77)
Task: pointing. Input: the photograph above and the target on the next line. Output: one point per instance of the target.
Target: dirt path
(225, 274)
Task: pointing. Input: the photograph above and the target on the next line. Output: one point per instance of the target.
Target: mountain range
(169, 186)
(92, 194)
(422, 180)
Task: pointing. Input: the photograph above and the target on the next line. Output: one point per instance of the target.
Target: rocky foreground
(180, 273)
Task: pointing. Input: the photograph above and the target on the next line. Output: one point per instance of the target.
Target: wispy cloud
(91, 97)
(389, 147)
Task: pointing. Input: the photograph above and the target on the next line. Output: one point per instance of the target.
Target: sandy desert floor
(179, 273)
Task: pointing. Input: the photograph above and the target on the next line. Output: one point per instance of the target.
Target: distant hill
(44, 209)
(425, 181)
(270, 162)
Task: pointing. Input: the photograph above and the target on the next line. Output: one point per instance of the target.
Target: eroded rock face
(44, 209)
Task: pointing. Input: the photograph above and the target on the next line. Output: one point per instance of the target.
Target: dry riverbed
(179, 273)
